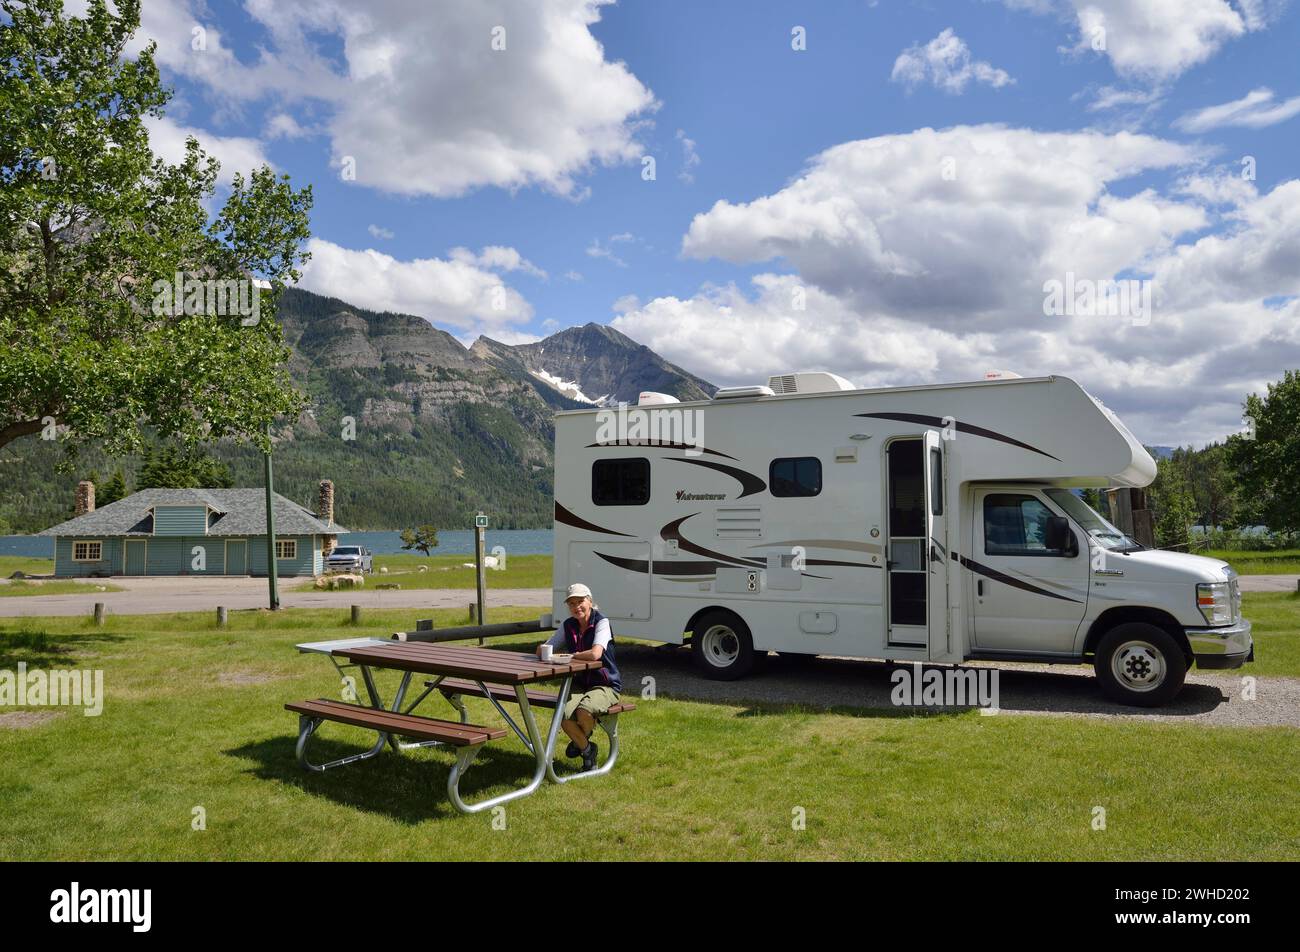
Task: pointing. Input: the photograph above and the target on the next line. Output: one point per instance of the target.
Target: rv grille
(739, 522)
(783, 384)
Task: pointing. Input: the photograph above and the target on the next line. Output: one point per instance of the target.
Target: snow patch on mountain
(569, 388)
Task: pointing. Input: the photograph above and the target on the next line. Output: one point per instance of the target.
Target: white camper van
(932, 523)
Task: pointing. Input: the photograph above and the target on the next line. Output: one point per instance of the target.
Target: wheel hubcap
(721, 646)
(1139, 666)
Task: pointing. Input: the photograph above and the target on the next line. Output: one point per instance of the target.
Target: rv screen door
(938, 562)
(908, 552)
(918, 545)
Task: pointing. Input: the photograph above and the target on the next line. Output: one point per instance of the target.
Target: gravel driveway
(1058, 690)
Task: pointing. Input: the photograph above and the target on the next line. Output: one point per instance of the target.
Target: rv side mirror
(1059, 537)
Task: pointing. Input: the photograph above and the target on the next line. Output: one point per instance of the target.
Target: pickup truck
(350, 558)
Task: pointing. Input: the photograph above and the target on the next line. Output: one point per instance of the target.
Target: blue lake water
(460, 542)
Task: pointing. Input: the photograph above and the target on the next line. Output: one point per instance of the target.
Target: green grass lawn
(1275, 626)
(19, 588)
(1279, 562)
(447, 571)
(9, 564)
(194, 718)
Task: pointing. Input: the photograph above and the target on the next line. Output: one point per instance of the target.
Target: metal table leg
(543, 752)
(609, 724)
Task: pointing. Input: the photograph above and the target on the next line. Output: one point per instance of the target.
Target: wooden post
(356, 614)
(99, 614)
(221, 616)
(472, 613)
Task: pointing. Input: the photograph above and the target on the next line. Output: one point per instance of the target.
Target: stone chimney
(85, 501)
(325, 507)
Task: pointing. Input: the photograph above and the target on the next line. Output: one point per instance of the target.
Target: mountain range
(412, 426)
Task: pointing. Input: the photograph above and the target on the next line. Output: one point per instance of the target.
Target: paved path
(1269, 583)
(159, 595)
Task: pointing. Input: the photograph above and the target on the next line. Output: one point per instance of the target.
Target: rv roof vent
(735, 393)
(650, 398)
(818, 381)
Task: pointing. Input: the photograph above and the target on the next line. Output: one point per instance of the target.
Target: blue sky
(887, 202)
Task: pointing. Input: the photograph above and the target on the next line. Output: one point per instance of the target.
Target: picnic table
(454, 671)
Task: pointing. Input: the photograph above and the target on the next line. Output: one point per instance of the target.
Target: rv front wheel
(722, 647)
(1140, 664)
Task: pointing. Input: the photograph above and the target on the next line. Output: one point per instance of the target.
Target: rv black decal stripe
(852, 565)
(960, 428)
(569, 519)
(662, 444)
(632, 565)
(749, 483)
(673, 531)
(1005, 579)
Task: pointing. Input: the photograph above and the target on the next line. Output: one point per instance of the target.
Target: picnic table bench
(497, 675)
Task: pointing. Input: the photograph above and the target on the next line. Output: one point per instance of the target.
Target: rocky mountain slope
(412, 426)
(595, 364)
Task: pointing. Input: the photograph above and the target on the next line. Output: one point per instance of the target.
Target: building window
(87, 551)
(799, 476)
(620, 482)
(286, 549)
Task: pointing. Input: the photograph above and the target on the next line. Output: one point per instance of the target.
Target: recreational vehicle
(936, 524)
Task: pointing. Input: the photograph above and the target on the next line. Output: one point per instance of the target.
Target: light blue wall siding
(180, 520)
(175, 556)
(111, 561)
(304, 564)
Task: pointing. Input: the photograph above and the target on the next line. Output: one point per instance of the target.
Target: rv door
(936, 517)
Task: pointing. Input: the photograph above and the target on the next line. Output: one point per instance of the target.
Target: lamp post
(271, 576)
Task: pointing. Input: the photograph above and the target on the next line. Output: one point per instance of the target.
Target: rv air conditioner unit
(649, 398)
(815, 382)
(735, 393)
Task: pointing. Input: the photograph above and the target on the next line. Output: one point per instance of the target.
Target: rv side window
(936, 482)
(1016, 524)
(799, 476)
(620, 482)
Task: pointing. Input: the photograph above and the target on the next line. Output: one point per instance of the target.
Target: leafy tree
(93, 226)
(181, 468)
(423, 538)
(1267, 456)
(1175, 510)
(113, 490)
(1212, 482)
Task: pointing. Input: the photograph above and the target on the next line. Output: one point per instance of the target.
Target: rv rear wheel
(1140, 664)
(722, 647)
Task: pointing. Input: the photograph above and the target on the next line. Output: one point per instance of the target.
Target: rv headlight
(1214, 599)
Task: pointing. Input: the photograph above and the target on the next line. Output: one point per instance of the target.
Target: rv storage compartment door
(618, 574)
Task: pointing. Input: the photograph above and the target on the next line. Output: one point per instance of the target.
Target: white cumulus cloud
(946, 63)
(455, 292)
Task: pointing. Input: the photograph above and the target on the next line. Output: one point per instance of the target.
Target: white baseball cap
(577, 590)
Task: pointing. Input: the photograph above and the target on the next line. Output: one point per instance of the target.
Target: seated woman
(587, 636)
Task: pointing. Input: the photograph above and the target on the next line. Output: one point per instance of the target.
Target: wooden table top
(480, 664)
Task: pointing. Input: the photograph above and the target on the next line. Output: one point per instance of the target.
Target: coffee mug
(546, 652)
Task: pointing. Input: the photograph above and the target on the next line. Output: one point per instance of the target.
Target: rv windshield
(1099, 530)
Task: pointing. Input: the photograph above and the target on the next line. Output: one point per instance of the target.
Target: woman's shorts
(596, 701)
